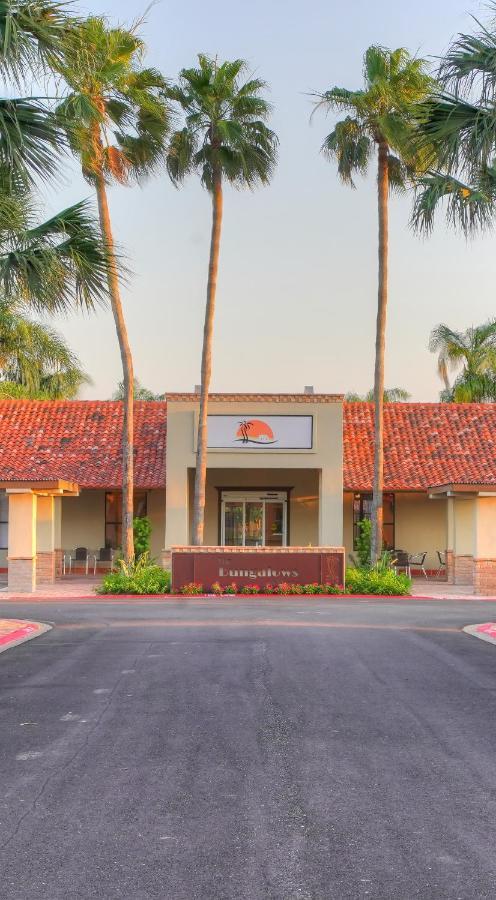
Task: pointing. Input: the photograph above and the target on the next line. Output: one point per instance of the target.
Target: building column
(484, 565)
(450, 540)
(176, 513)
(22, 542)
(330, 509)
(45, 540)
(57, 536)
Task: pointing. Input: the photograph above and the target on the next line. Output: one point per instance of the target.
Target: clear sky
(297, 286)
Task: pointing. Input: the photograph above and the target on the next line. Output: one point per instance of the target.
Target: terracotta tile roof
(79, 441)
(258, 398)
(425, 444)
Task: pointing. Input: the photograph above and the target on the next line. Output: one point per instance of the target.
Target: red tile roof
(79, 441)
(425, 444)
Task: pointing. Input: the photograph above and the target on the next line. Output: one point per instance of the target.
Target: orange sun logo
(254, 431)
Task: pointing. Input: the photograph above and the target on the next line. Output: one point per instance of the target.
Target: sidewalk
(16, 631)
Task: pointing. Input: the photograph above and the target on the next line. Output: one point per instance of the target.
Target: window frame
(116, 523)
(366, 497)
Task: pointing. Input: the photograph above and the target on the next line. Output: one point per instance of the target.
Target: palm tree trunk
(380, 342)
(127, 371)
(206, 369)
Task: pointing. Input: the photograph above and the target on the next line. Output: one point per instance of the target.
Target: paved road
(254, 749)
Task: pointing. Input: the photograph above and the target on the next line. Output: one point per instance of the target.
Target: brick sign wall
(262, 566)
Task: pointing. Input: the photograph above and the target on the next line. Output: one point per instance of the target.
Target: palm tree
(35, 361)
(459, 122)
(391, 395)
(117, 119)
(383, 118)
(224, 139)
(474, 351)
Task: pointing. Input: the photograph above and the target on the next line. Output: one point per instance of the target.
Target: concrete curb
(23, 631)
(485, 631)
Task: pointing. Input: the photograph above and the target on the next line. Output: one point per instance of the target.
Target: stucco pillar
(177, 510)
(450, 540)
(485, 546)
(22, 542)
(330, 509)
(57, 535)
(465, 533)
(45, 540)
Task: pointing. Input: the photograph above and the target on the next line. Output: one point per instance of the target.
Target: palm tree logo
(255, 431)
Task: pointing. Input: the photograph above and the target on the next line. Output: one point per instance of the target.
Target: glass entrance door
(252, 519)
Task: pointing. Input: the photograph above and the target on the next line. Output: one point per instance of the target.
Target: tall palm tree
(117, 118)
(381, 122)
(459, 122)
(35, 361)
(224, 139)
(391, 395)
(474, 351)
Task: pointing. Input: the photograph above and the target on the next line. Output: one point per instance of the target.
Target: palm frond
(351, 146)
(57, 265)
(30, 138)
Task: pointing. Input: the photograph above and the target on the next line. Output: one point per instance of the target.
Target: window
(4, 521)
(113, 515)
(362, 509)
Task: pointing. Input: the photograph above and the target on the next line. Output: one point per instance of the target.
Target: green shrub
(142, 529)
(387, 582)
(364, 542)
(138, 577)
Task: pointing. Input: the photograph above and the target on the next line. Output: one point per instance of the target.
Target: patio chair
(79, 555)
(442, 562)
(417, 561)
(401, 560)
(104, 556)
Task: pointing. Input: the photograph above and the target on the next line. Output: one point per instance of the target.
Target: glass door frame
(229, 495)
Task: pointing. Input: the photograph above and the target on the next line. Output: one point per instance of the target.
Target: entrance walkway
(77, 586)
(440, 590)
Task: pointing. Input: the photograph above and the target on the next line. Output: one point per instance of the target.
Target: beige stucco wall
(486, 528)
(420, 524)
(83, 520)
(156, 514)
(303, 504)
(465, 526)
(325, 458)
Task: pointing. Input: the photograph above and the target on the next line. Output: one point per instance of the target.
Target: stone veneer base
(22, 575)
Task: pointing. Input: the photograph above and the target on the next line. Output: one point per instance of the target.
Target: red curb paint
(18, 634)
(488, 628)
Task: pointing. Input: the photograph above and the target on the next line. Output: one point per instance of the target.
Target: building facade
(283, 471)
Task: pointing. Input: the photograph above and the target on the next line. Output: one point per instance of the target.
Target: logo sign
(260, 432)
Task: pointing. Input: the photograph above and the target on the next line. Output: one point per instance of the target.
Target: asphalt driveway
(249, 749)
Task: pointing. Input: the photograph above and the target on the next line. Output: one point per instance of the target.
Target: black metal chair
(106, 556)
(417, 560)
(401, 560)
(442, 563)
(79, 555)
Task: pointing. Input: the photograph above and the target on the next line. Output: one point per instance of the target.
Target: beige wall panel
(258, 465)
(421, 524)
(486, 528)
(83, 521)
(465, 527)
(156, 514)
